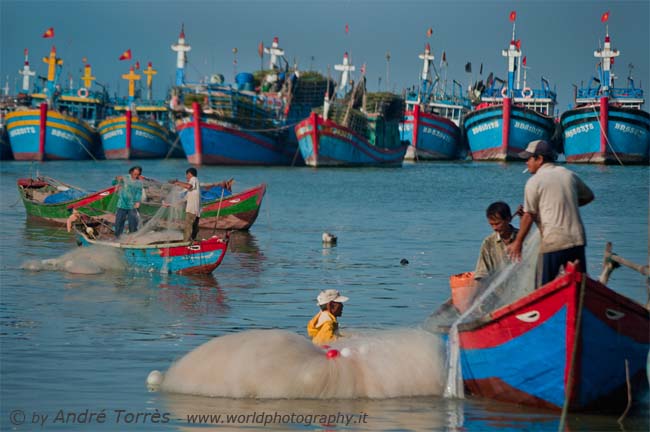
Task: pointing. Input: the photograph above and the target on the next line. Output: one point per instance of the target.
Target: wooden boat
(572, 342)
(249, 122)
(60, 124)
(53, 201)
(177, 257)
(433, 116)
(138, 127)
(607, 125)
(359, 129)
(508, 115)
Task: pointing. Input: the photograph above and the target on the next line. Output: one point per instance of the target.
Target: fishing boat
(359, 129)
(607, 124)
(433, 116)
(573, 343)
(173, 256)
(60, 124)
(507, 116)
(52, 201)
(250, 123)
(138, 128)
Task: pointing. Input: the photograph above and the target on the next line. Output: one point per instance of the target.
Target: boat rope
(216, 220)
(172, 147)
(574, 351)
(85, 148)
(602, 131)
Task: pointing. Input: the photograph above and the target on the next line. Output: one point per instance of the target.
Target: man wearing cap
(551, 199)
(323, 327)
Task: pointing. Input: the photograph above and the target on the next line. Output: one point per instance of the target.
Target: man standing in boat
(551, 199)
(193, 205)
(323, 328)
(129, 196)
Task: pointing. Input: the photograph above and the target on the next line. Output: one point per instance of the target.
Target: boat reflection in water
(193, 295)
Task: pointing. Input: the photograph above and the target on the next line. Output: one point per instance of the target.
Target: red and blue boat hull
(430, 136)
(149, 140)
(326, 143)
(64, 137)
(198, 258)
(219, 143)
(625, 139)
(545, 351)
(500, 132)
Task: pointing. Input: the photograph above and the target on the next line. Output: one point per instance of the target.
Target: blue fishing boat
(138, 128)
(607, 124)
(250, 123)
(358, 129)
(433, 117)
(7, 105)
(61, 123)
(509, 116)
(185, 258)
(573, 343)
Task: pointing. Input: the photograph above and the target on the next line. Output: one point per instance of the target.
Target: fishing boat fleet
(284, 116)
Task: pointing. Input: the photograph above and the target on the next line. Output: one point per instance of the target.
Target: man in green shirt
(128, 200)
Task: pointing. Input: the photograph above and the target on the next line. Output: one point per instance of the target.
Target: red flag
(137, 65)
(363, 69)
(518, 44)
(513, 15)
(604, 17)
(49, 33)
(260, 49)
(126, 55)
(429, 32)
(524, 61)
(347, 29)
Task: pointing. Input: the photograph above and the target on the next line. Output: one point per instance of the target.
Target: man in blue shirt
(128, 200)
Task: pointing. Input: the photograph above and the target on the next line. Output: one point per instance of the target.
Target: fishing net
(511, 283)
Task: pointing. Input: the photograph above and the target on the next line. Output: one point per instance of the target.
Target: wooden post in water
(612, 261)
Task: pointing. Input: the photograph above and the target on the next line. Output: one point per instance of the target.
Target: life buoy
(504, 92)
(82, 92)
(527, 93)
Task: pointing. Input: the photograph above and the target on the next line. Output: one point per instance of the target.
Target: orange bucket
(463, 289)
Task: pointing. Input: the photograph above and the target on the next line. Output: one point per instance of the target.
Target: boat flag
(260, 49)
(513, 16)
(518, 44)
(480, 72)
(126, 55)
(137, 65)
(468, 67)
(603, 18)
(429, 32)
(363, 69)
(84, 60)
(347, 29)
(443, 59)
(49, 33)
(524, 61)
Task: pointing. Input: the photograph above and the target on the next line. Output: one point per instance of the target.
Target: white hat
(330, 295)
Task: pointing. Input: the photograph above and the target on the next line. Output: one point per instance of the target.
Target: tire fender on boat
(527, 93)
(82, 92)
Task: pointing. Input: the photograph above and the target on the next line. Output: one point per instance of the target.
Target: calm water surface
(77, 343)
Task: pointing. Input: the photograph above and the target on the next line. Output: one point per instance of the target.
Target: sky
(558, 38)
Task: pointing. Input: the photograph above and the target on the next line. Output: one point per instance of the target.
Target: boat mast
(181, 58)
(425, 78)
(26, 72)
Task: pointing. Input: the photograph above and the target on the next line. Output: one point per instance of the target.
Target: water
(87, 342)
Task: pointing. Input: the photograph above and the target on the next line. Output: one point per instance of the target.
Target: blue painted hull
(325, 143)
(177, 257)
(525, 352)
(5, 147)
(222, 144)
(430, 137)
(148, 139)
(485, 129)
(628, 135)
(66, 137)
